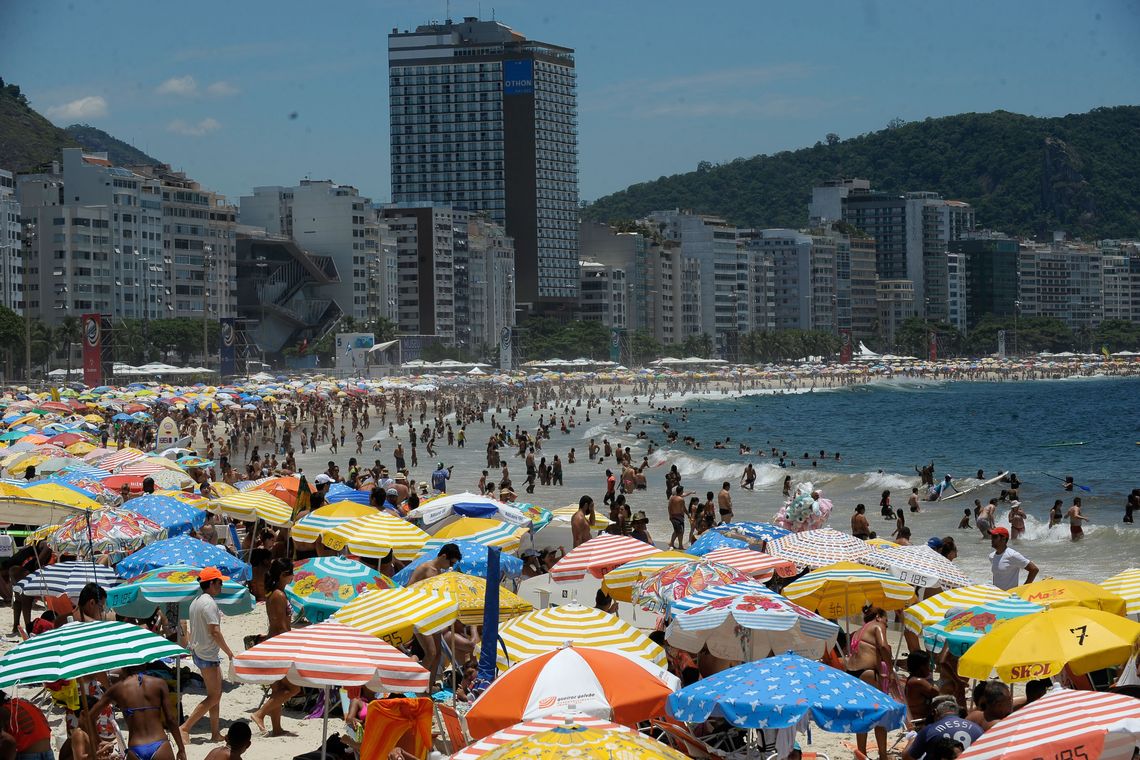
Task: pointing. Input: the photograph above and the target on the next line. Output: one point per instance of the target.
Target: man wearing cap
(945, 724)
(1007, 563)
(206, 645)
(440, 477)
(391, 503)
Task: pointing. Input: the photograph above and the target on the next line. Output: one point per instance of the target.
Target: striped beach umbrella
(375, 535)
(1064, 723)
(110, 530)
(80, 649)
(845, 588)
(618, 582)
(817, 548)
(933, 610)
(918, 565)
(1127, 586)
(251, 506)
(395, 615)
(66, 578)
(481, 530)
(963, 630)
(175, 516)
(474, 562)
(310, 527)
(747, 621)
(469, 591)
(598, 556)
(331, 654)
(323, 585)
(531, 727)
(546, 630)
(183, 550)
(660, 590)
(759, 565)
(175, 584)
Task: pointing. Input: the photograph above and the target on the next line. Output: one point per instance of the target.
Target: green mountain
(28, 141)
(1024, 175)
(118, 152)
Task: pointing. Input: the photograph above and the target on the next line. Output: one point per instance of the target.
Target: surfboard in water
(983, 484)
(1062, 444)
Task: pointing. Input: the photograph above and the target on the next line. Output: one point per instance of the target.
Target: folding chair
(454, 731)
(678, 736)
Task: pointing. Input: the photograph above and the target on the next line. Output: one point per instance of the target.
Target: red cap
(211, 574)
(999, 532)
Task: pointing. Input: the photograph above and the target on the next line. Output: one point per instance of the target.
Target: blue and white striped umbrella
(747, 621)
(474, 562)
(183, 550)
(176, 584)
(757, 531)
(782, 692)
(711, 541)
(177, 517)
(341, 492)
(66, 578)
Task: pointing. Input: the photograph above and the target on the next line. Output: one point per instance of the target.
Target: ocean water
(884, 429)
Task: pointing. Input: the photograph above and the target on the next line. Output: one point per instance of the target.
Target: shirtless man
(912, 501)
(582, 522)
(985, 521)
(448, 557)
(677, 518)
(724, 503)
(1075, 519)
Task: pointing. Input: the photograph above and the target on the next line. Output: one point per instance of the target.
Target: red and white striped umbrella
(1076, 724)
(331, 654)
(759, 565)
(110, 462)
(598, 556)
(531, 727)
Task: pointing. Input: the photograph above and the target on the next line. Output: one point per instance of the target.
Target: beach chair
(680, 738)
(454, 732)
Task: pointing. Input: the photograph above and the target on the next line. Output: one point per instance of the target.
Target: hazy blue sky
(210, 86)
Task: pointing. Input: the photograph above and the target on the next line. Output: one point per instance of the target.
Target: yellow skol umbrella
(375, 535)
(1061, 592)
(582, 743)
(1039, 646)
(1127, 586)
(619, 582)
(395, 614)
(469, 591)
(845, 588)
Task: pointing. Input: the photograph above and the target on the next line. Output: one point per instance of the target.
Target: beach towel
(406, 723)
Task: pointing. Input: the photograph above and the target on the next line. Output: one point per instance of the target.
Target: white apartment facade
(11, 246)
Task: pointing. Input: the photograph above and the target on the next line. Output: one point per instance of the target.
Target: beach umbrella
(660, 590)
(310, 527)
(481, 530)
(1064, 723)
(395, 615)
(1127, 586)
(960, 632)
(752, 532)
(817, 548)
(375, 535)
(469, 591)
(323, 585)
(173, 515)
(747, 621)
(254, 506)
(1062, 592)
(918, 565)
(711, 541)
(66, 578)
(81, 649)
(845, 588)
(58, 493)
(183, 550)
(759, 565)
(174, 584)
(438, 508)
(604, 683)
(563, 515)
(783, 692)
(540, 517)
(933, 609)
(619, 582)
(474, 562)
(111, 530)
(530, 728)
(283, 487)
(598, 556)
(340, 492)
(1039, 646)
(546, 630)
(581, 742)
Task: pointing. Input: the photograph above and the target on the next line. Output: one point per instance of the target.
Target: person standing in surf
(1076, 531)
(1055, 513)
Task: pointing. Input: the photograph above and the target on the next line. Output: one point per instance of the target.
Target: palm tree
(68, 333)
(43, 343)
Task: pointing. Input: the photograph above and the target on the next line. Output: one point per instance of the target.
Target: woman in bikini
(146, 706)
(870, 660)
(278, 576)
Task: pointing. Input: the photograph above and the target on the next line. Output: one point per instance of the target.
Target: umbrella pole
(90, 539)
(324, 721)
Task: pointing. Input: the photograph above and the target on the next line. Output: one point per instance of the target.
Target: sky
(245, 93)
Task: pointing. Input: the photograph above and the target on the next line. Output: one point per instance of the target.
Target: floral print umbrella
(113, 530)
(323, 585)
(666, 586)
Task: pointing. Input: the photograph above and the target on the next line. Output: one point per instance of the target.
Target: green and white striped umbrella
(80, 649)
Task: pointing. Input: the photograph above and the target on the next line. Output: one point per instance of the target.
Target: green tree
(912, 338)
(643, 348)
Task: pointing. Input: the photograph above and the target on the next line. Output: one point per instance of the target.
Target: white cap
(321, 479)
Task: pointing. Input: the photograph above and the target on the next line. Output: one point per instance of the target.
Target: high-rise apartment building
(1120, 268)
(486, 120)
(991, 262)
(426, 238)
(1062, 280)
(804, 279)
(602, 297)
(491, 280)
(629, 251)
(11, 245)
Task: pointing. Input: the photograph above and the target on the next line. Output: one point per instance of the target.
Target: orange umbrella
(284, 488)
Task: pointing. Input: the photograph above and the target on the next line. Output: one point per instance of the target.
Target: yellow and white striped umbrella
(1126, 585)
(253, 505)
(933, 610)
(562, 516)
(481, 530)
(619, 582)
(375, 535)
(310, 527)
(845, 588)
(469, 591)
(547, 630)
(395, 614)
